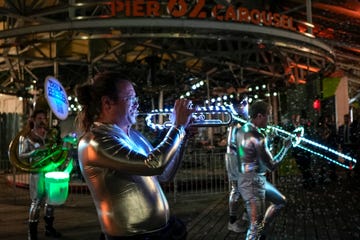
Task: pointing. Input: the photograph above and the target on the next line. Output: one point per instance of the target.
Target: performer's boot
(49, 229)
(32, 231)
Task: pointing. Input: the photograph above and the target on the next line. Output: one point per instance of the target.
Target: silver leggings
(234, 197)
(38, 198)
(254, 190)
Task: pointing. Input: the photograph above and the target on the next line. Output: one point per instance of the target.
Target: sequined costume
(256, 160)
(123, 173)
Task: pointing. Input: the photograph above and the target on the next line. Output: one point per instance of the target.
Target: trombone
(216, 116)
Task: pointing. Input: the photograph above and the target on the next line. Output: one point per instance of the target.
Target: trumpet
(202, 117)
(226, 115)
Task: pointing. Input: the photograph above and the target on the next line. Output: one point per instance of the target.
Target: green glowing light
(69, 167)
(57, 186)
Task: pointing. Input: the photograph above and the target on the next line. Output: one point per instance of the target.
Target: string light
(296, 136)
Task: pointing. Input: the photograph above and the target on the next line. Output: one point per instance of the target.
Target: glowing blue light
(300, 144)
(56, 97)
(298, 140)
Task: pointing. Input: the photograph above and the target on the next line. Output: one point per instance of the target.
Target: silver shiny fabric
(256, 160)
(27, 148)
(123, 174)
(233, 170)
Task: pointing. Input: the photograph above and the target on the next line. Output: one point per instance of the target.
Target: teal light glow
(325, 152)
(296, 136)
(69, 167)
(57, 187)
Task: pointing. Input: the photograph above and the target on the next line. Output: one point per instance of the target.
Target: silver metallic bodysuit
(27, 148)
(123, 173)
(256, 160)
(233, 170)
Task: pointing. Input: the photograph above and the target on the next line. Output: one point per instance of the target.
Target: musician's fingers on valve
(182, 114)
(190, 105)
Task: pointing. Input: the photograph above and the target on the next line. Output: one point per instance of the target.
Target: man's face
(263, 120)
(127, 104)
(40, 124)
(40, 120)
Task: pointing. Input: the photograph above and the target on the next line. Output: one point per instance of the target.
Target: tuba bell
(43, 161)
(56, 154)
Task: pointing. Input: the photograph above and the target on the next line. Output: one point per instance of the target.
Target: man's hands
(182, 113)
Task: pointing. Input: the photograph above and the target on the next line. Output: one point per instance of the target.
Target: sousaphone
(57, 152)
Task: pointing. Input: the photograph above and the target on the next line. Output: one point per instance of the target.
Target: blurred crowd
(345, 139)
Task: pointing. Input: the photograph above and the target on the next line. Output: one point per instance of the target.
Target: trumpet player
(30, 146)
(120, 166)
(255, 160)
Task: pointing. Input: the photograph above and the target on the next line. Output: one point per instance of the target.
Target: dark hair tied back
(84, 94)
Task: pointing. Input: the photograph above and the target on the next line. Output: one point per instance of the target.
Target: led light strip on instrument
(296, 136)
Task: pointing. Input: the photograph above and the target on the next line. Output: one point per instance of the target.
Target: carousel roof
(168, 46)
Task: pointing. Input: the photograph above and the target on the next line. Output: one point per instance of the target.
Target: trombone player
(30, 145)
(255, 160)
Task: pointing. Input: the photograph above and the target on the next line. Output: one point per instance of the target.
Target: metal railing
(202, 171)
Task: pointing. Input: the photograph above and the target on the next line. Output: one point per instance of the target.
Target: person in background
(29, 147)
(326, 135)
(256, 160)
(302, 157)
(232, 167)
(347, 138)
(121, 167)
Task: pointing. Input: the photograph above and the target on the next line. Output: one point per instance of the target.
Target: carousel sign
(199, 10)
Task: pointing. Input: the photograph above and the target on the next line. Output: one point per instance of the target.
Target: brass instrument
(298, 140)
(203, 117)
(56, 153)
(47, 160)
(295, 136)
(226, 115)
